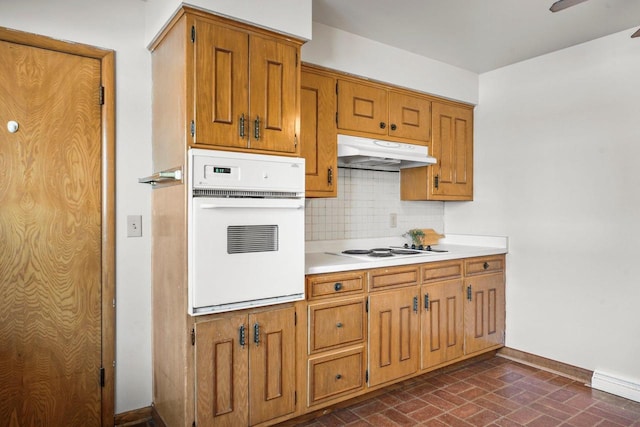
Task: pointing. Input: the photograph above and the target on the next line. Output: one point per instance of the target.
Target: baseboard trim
(573, 372)
(614, 385)
(133, 417)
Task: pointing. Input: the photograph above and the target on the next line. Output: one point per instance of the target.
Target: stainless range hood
(354, 151)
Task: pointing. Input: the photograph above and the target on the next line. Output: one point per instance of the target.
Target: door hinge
(193, 34)
(101, 96)
(193, 336)
(366, 376)
(101, 377)
(193, 128)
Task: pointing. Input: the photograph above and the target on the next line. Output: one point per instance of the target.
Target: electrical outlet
(393, 220)
(134, 226)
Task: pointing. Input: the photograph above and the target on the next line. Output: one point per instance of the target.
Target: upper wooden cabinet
(221, 84)
(318, 136)
(377, 110)
(452, 145)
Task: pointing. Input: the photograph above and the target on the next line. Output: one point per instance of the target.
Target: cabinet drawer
(484, 265)
(438, 271)
(325, 285)
(336, 374)
(382, 278)
(337, 323)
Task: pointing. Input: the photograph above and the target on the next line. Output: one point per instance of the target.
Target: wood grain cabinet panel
(245, 367)
(442, 322)
(336, 323)
(318, 134)
(484, 308)
(378, 110)
(392, 277)
(336, 374)
(336, 284)
(393, 335)
(452, 145)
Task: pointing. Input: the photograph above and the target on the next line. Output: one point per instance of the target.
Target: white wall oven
(246, 230)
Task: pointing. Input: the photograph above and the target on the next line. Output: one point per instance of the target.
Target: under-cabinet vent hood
(360, 152)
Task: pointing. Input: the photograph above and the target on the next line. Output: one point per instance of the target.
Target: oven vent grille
(209, 192)
(243, 239)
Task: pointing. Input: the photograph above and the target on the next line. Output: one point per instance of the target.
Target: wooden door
(318, 139)
(393, 335)
(272, 364)
(442, 322)
(409, 117)
(273, 95)
(221, 78)
(362, 108)
(51, 244)
(484, 312)
(452, 144)
(222, 364)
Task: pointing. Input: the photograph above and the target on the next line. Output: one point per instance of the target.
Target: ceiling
(479, 35)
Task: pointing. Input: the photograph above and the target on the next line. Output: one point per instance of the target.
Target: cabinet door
(409, 117)
(221, 373)
(393, 335)
(272, 364)
(484, 312)
(273, 95)
(221, 85)
(452, 144)
(442, 322)
(362, 108)
(318, 140)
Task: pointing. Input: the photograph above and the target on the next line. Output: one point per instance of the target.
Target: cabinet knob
(383, 125)
(485, 265)
(339, 325)
(393, 126)
(337, 286)
(338, 376)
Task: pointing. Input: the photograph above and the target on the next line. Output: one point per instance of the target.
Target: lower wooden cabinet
(442, 323)
(336, 374)
(484, 312)
(394, 350)
(245, 368)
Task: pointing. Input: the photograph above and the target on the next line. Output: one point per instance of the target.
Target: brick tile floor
(492, 392)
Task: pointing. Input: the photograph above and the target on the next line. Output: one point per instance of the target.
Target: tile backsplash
(364, 206)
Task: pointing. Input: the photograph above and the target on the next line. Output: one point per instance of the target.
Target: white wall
(557, 143)
(348, 52)
(117, 25)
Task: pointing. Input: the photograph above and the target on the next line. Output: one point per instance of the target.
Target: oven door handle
(239, 206)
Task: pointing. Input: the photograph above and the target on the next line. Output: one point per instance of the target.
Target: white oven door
(245, 252)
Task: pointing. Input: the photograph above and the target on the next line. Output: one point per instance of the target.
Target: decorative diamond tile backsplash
(366, 200)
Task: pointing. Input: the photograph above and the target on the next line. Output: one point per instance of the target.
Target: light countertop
(325, 257)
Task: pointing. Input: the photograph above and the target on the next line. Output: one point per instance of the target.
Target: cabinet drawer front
(334, 324)
(393, 277)
(438, 271)
(335, 284)
(485, 265)
(335, 375)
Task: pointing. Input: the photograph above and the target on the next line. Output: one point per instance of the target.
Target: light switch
(134, 226)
